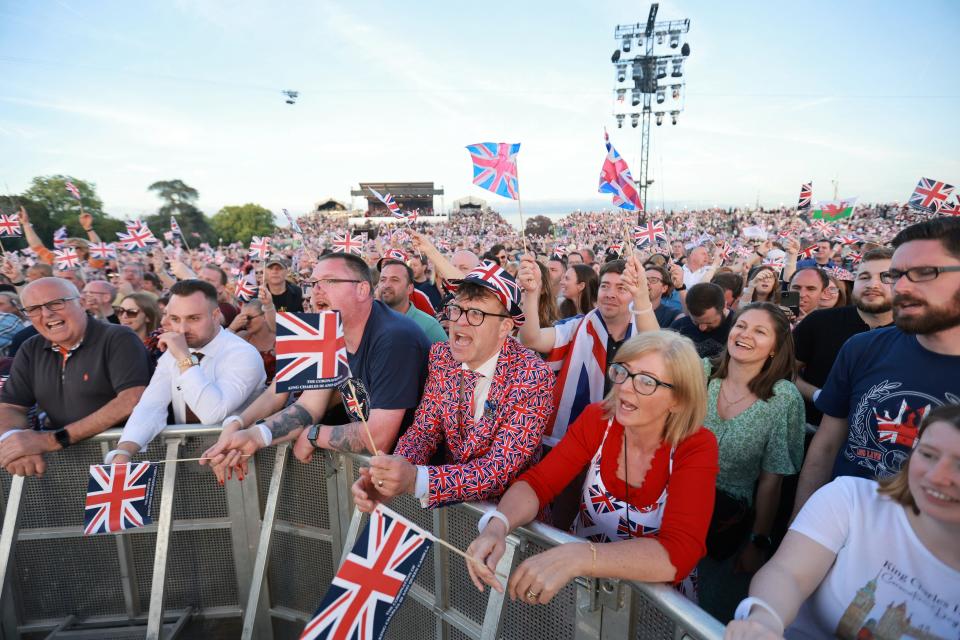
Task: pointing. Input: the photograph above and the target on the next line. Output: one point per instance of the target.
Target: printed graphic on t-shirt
(895, 605)
(355, 404)
(883, 430)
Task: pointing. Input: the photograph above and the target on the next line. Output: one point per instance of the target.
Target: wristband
(88, 230)
(228, 419)
(265, 433)
(17, 284)
(108, 459)
(493, 513)
(7, 434)
(816, 394)
(636, 313)
(743, 611)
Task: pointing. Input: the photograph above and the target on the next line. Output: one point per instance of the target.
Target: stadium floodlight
(676, 65)
(661, 69)
(621, 95)
(674, 39)
(661, 95)
(634, 120)
(635, 97)
(659, 115)
(659, 37)
(615, 58)
(685, 50)
(620, 117)
(621, 72)
(626, 44)
(675, 90)
(673, 116)
(636, 71)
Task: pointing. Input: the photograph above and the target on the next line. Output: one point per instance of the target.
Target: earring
(773, 354)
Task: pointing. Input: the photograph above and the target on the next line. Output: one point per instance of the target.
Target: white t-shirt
(691, 278)
(884, 583)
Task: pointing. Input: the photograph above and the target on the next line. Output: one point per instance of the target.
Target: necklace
(728, 400)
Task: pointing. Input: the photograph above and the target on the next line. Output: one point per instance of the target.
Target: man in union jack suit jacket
(485, 405)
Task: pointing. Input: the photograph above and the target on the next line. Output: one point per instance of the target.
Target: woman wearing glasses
(140, 312)
(646, 501)
(757, 415)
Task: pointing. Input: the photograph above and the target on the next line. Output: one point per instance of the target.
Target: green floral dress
(767, 436)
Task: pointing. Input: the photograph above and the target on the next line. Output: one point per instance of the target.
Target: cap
(392, 254)
(277, 260)
(491, 276)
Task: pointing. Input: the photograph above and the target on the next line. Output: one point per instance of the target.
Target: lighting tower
(648, 84)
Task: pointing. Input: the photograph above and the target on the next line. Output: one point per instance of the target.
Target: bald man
(85, 375)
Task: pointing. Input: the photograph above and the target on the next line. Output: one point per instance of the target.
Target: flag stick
(183, 238)
(366, 427)
(245, 455)
(523, 231)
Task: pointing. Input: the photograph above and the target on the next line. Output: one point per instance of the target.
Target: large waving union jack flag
(102, 250)
(615, 179)
(311, 351)
(10, 225)
(346, 243)
(259, 247)
(930, 195)
(495, 167)
(372, 581)
(650, 233)
(119, 497)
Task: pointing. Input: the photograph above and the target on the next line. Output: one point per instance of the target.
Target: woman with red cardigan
(648, 496)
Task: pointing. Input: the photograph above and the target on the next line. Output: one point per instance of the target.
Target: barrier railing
(252, 559)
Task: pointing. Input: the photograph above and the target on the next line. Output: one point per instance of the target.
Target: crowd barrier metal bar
(155, 616)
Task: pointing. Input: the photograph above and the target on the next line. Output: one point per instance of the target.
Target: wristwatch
(189, 361)
(312, 434)
(62, 436)
(761, 542)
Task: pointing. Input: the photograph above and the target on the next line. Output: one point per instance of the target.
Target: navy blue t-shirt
(884, 382)
(390, 366)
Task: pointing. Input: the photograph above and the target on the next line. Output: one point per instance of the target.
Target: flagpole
(363, 419)
(183, 238)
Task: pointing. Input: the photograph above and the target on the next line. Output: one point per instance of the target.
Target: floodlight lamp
(661, 69)
(661, 95)
(621, 95)
(673, 116)
(621, 72)
(659, 115)
(634, 120)
(660, 37)
(685, 50)
(674, 39)
(676, 71)
(635, 96)
(626, 44)
(675, 89)
(620, 117)
(615, 57)
(636, 71)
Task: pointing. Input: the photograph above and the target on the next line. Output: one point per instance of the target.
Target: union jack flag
(634, 529)
(951, 208)
(808, 252)
(615, 179)
(175, 227)
(136, 238)
(602, 501)
(395, 254)
(72, 188)
(103, 250)
(293, 223)
(650, 233)
(119, 497)
(776, 263)
(372, 581)
(259, 248)
(806, 196)
(10, 225)
(820, 225)
(726, 251)
(615, 249)
(930, 195)
(495, 167)
(346, 243)
(389, 202)
(66, 258)
(902, 429)
(59, 237)
(245, 289)
(845, 240)
(311, 351)
(839, 273)
(855, 257)
(743, 252)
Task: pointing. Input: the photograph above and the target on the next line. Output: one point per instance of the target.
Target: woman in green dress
(757, 416)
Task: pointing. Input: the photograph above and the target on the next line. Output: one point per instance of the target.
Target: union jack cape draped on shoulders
(372, 581)
(495, 167)
(615, 179)
(311, 351)
(119, 497)
(580, 356)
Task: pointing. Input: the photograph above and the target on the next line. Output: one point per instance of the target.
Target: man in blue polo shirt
(884, 381)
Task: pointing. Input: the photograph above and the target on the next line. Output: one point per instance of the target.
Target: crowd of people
(761, 410)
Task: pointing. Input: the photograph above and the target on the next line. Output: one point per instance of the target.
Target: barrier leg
(441, 572)
(258, 580)
(494, 611)
(164, 525)
(8, 536)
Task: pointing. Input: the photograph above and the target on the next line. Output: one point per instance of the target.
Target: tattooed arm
(384, 426)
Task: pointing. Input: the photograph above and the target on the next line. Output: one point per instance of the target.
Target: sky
(123, 94)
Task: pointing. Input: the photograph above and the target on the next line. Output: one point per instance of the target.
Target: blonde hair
(685, 373)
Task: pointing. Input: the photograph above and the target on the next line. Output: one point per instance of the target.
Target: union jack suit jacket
(482, 458)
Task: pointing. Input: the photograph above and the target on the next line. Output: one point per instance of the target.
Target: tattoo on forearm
(349, 437)
(290, 419)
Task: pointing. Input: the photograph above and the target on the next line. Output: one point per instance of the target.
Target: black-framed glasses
(326, 282)
(475, 317)
(52, 305)
(916, 274)
(644, 383)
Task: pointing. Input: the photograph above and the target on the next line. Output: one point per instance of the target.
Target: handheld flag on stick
(293, 223)
(59, 237)
(649, 233)
(10, 225)
(951, 208)
(246, 288)
(259, 248)
(389, 202)
(175, 228)
(119, 497)
(834, 210)
(806, 196)
(346, 243)
(137, 237)
(930, 195)
(102, 250)
(615, 179)
(72, 188)
(66, 258)
(495, 167)
(311, 351)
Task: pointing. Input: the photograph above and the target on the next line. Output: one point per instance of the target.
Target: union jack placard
(930, 195)
(119, 497)
(311, 351)
(372, 581)
(806, 195)
(10, 225)
(650, 233)
(102, 250)
(66, 258)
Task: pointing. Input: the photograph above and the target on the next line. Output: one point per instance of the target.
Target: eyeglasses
(654, 281)
(644, 383)
(916, 274)
(475, 317)
(52, 305)
(326, 282)
(130, 313)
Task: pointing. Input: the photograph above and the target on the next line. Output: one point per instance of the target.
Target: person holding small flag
(486, 405)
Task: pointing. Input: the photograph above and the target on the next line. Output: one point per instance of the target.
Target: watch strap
(62, 436)
(313, 432)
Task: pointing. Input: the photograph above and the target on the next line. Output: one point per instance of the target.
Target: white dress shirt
(480, 393)
(691, 278)
(230, 376)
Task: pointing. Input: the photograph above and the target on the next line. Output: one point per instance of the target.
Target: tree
(51, 206)
(539, 226)
(242, 222)
(179, 200)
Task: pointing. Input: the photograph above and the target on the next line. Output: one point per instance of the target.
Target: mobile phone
(791, 299)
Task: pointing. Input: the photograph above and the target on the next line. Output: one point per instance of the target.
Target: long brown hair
(775, 292)
(588, 297)
(148, 306)
(546, 303)
(897, 487)
(780, 366)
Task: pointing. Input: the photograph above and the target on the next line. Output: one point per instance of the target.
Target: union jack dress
(603, 517)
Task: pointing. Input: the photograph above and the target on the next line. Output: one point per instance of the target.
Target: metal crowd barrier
(252, 559)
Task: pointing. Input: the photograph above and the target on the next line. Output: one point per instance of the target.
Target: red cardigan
(689, 507)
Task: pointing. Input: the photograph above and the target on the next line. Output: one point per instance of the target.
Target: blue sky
(126, 93)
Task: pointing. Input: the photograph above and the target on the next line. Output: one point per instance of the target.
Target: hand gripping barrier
(252, 559)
